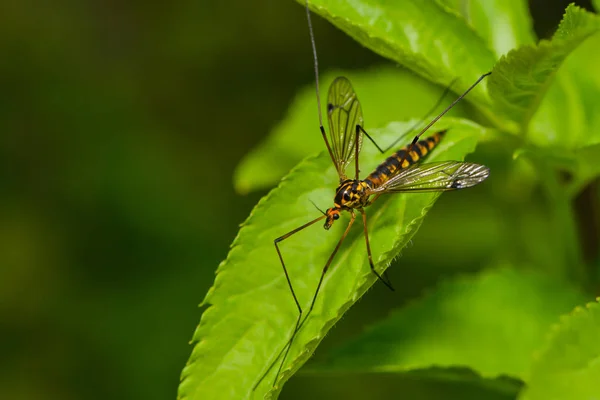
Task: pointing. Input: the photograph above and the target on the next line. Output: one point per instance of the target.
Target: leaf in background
(504, 24)
(581, 164)
(386, 94)
(251, 312)
(583, 71)
(490, 323)
(588, 167)
(569, 365)
(521, 78)
(560, 118)
(421, 35)
(596, 4)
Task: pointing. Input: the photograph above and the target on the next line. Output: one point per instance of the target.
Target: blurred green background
(121, 124)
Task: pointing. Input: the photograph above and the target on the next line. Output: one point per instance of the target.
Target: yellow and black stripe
(391, 165)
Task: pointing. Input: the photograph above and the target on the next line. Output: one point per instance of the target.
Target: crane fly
(401, 172)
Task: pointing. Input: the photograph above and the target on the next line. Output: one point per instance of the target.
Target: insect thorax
(351, 194)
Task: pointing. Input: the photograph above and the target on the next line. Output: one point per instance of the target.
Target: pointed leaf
(504, 24)
(569, 365)
(520, 79)
(251, 312)
(490, 323)
(582, 69)
(424, 36)
(560, 119)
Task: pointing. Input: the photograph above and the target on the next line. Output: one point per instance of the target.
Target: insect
(399, 173)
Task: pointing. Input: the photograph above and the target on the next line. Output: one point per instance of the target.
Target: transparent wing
(435, 177)
(344, 113)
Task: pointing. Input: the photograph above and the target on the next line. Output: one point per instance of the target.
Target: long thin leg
(285, 271)
(361, 129)
(287, 277)
(427, 115)
(312, 304)
(433, 121)
(357, 151)
(440, 115)
(374, 198)
(387, 283)
(300, 322)
(412, 128)
(316, 67)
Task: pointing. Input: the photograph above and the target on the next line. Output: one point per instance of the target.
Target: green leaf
(520, 79)
(569, 365)
(251, 312)
(424, 36)
(490, 323)
(386, 94)
(504, 24)
(560, 120)
(583, 72)
(596, 4)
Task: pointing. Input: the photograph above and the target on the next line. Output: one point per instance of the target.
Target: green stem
(565, 224)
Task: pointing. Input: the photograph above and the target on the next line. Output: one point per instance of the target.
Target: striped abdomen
(391, 165)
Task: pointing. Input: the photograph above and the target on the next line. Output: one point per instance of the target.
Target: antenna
(317, 207)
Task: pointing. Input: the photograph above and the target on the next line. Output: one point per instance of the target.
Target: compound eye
(346, 196)
(336, 216)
